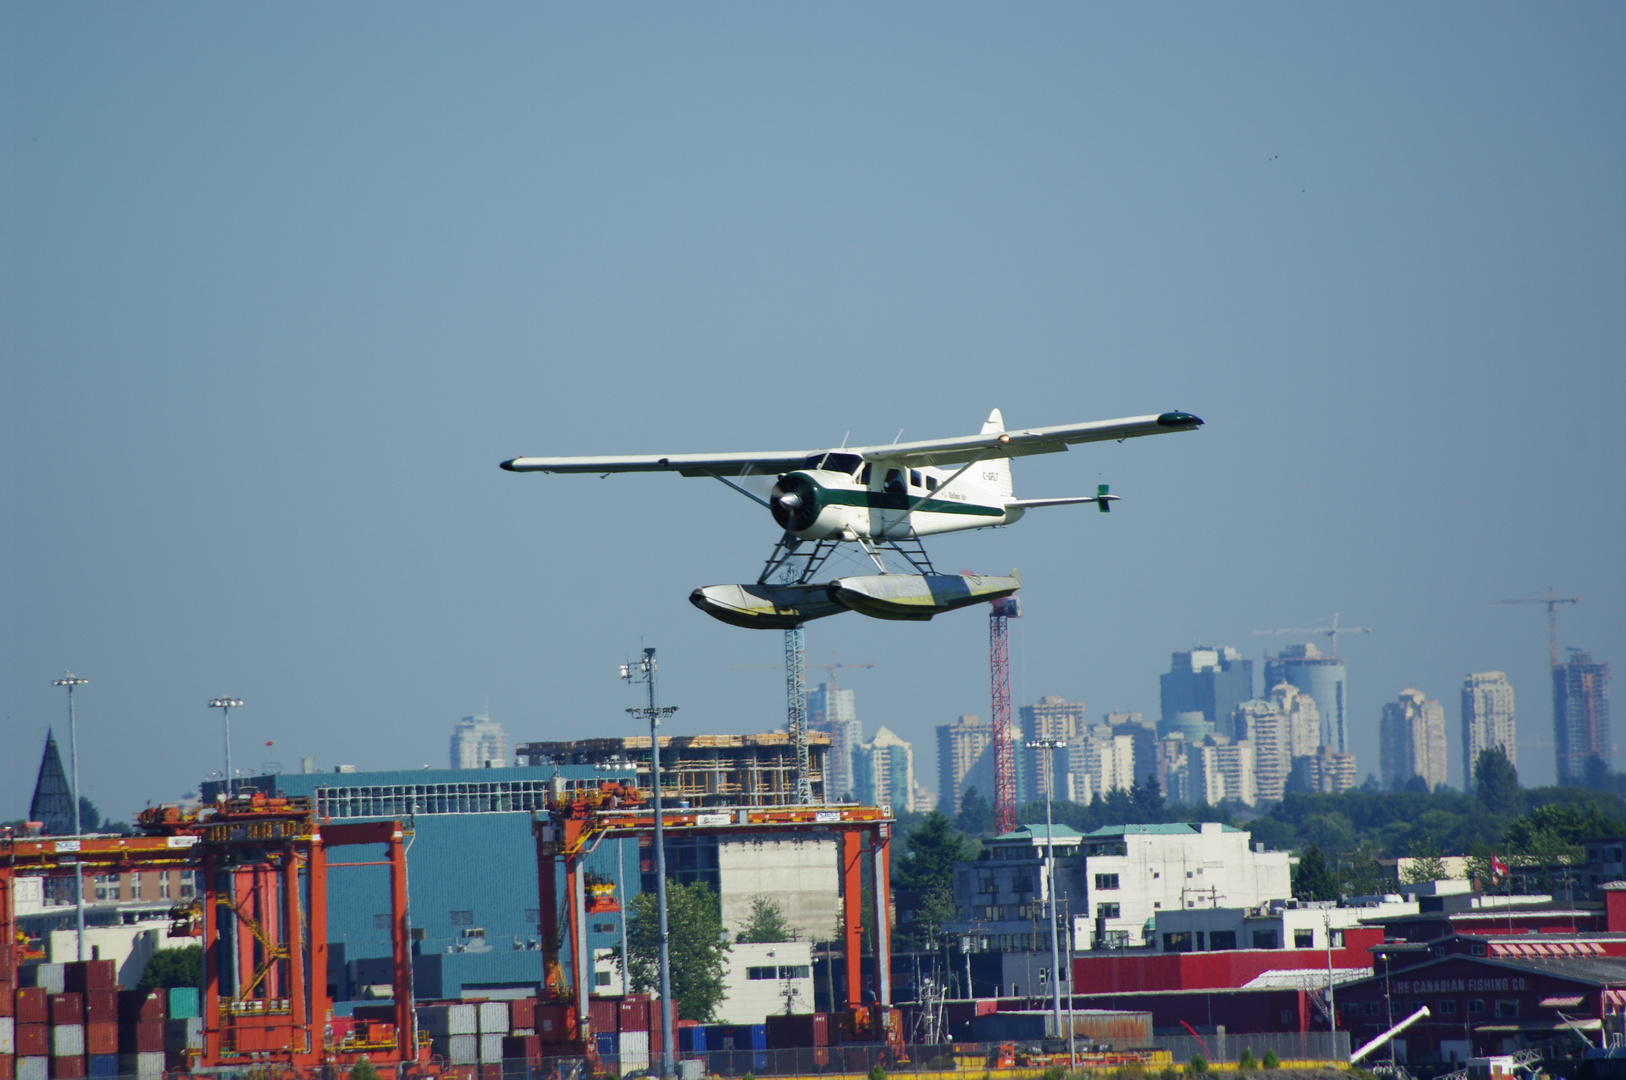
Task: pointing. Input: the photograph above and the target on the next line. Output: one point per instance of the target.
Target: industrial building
(1580, 715)
(1487, 720)
(1411, 742)
(705, 770)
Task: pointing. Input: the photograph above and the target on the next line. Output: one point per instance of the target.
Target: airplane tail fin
(995, 473)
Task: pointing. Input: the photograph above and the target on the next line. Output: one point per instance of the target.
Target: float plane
(883, 499)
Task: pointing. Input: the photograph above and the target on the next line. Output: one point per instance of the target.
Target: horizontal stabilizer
(1071, 500)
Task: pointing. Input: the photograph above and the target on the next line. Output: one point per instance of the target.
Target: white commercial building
(764, 979)
(1278, 924)
(800, 873)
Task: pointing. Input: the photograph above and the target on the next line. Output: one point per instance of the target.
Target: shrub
(1272, 1061)
(876, 1072)
(363, 1070)
(1247, 1060)
(1199, 1064)
(1169, 1073)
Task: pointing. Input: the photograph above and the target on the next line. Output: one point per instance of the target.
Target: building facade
(1580, 715)
(478, 743)
(1487, 720)
(835, 712)
(1099, 759)
(1283, 728)
(884, 772)
(1211, 681)
(1411, 741)
(1323, 679)
(959, 746)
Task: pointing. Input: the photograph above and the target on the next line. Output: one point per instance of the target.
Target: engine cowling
(794, 503)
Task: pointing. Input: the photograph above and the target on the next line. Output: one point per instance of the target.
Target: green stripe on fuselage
(880, 500)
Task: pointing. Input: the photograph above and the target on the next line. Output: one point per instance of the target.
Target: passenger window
(931, 483)
(894, 482)
(914, 478)
(863, 475)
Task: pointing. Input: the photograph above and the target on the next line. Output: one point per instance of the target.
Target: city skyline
(281, 289)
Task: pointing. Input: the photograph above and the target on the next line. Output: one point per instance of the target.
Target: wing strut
(754, 498)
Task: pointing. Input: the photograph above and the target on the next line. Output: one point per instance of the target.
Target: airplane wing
(768, 464)
(1024, 441)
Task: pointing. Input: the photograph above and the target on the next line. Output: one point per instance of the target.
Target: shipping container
(101, 1006)
(33, 1005)
(8, 996)
(522, 1014)
(68, 1040)
(521, 1048)
(493, 1017)
(67, 1009)
(67, 1068)
(606, 1045)
(552, 1021)
(691, 1040)
(184, 1034)
(136, 1005)
(101, 1039)
(8, 1036)
(635, 1013)
(456, 1049)
(85, 975)
(47, 977)
(798, 1030)
(449, 1020)
(102, 1066)
(147, 1066)
(604, 1013)
(634, 1048)
(33, 1068)
(183, 1003)
(33, 1040)
(8, 1067)
(491, 1047)
(141, 1037)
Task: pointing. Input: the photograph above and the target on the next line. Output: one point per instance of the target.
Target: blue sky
(281, 285)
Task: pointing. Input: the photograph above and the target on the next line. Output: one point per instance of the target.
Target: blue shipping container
(183, 1002)
(691, 1040)
(104, 1065)
(607, 1046)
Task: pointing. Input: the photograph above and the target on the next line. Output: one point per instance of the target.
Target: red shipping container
(526, 1047)
(33, 1006)
(101, 1007)
(603, 1014)
(491, 1071)
(8, 1067)
(141, 1037)
(101, 1039)
(552, 1022)
(635, 1013)
(8, 996)
(82, 975)
(33, 1040)
(68, 1068)
(141, 1005)
(67, 1008)
(522, 1013)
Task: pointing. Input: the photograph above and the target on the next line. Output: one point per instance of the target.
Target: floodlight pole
(1050, 746)
(70, 680)
(226, 705)
(643, 671)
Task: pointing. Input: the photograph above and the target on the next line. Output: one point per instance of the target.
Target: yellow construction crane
(1552, 601)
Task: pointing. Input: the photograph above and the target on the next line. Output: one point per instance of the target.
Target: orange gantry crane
(261, 915)
(577, 821)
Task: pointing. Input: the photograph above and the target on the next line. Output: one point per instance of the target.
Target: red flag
(1498, 867)
(268, 742)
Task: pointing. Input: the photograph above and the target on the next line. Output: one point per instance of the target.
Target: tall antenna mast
(999, 653)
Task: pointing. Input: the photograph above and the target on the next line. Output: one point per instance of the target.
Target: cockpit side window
(863, 475)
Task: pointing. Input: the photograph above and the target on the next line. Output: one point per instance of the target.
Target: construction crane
(1330, 631)
(1552, 603)
(999, 656)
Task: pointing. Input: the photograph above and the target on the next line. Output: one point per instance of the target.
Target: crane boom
(1552, 603)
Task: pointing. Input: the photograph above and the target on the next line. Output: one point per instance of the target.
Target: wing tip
(510, 465)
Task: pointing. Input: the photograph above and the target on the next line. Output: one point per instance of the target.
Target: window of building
(1220, 940)
(604, 928)
(991, 912)
(1369, 1008)
(533, 915)
(107, 886)
(1448, 1007)
(601, 978)
(1180, 942)
(1475, 1005)
(1023, 884)
(1476, 949)
(1106, 881)
(1264, 939)
(1352, 1008)
(1106, 911)
(1157, 905)
(1338, 939)
(1506, 1008)
(461, 918)
(135, 886)
(986, 884)
(381, 922)
(1304, 939)
(189, 885)
(795, 971)
(163, 885)
(758, 973)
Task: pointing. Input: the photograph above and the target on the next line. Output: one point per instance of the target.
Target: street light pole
(70, 680)
(226, 705)
(644, 671)
(1050, 746)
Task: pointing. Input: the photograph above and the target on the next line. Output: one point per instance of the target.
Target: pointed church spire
(53, 799)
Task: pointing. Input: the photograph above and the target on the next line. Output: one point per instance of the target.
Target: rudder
(995, 473)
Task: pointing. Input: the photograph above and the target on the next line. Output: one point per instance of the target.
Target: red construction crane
(999, 650)
(1552, 603)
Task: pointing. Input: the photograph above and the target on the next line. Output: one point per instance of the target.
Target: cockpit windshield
(833, 462)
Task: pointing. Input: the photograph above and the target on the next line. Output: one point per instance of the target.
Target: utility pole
(226, 705)
(70, 680)
(644, 672)
(1050, 746)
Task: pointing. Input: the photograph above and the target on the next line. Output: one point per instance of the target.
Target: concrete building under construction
(706, 770)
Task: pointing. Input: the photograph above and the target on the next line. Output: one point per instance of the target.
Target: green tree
(976, 816)
(173, 967)
(934, 848)
(89, 816)
(1148, 800)
(1496, 782)
(1312, 880)
(1360, 874)
(1427, 865)
(696, 946)
(363, 1070)
(766, 923)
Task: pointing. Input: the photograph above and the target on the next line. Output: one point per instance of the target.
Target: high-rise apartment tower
(835, 713)
(959, 747)
(1323, 678)
(1411, 741)
(1487, 720)
(1212, 681)
(1580, 715)
(477, 743)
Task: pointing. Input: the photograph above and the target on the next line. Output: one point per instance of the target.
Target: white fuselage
(845, 498)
